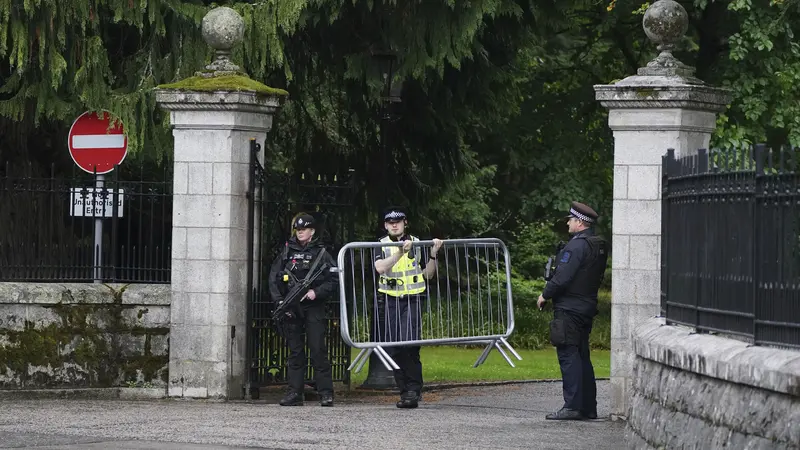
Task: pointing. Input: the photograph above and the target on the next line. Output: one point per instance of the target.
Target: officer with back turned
(573, 287)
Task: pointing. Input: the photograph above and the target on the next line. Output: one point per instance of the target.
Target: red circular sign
(95, 146)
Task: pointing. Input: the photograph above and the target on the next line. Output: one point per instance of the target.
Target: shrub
(529, 252)
(532, 327)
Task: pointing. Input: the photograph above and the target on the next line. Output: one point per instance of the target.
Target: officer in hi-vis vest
(403, 272)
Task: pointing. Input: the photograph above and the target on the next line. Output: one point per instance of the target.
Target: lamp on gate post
(378, 377)
(386, 61)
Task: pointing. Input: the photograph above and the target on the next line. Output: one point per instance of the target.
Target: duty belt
(394, 282)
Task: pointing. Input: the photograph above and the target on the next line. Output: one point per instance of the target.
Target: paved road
(497, 417)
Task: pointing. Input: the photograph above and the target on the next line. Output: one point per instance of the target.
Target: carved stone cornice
(240, 101)
(655, 92)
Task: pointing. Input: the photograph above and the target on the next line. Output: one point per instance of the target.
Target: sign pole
(97, 145)
(98, 231)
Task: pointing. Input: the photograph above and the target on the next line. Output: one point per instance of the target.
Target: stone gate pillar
(663, 106)
(214, 115)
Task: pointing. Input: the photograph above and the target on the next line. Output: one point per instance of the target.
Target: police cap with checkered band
(394, 214)
(583, 212)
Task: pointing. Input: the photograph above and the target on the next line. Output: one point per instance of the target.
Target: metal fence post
(114, 222)
(759, 152)
(700, 169)
(247, 388)
(666, 164)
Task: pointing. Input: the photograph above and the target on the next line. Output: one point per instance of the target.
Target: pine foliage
(497, 104)
(61, 57)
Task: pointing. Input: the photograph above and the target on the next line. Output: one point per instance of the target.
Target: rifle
(299, 289)
(549, 269)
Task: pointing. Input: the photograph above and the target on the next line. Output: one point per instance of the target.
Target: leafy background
(497, 131)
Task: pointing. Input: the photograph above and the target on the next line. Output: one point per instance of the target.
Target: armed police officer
(581, 264)
(303, 255)
(402, 283)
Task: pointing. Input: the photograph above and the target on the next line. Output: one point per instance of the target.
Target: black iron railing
(67, 228)
(731, 243)
(275, 197)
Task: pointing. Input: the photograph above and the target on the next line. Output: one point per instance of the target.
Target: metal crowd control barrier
(467, 299)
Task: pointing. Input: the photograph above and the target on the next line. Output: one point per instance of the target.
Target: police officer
(403, 272)
(573, 288)
(294, 262)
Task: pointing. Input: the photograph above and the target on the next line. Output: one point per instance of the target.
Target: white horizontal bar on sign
(98, 141)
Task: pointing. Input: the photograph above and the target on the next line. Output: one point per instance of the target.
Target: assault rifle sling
(300, 288)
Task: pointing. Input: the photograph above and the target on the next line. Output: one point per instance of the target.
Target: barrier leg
(387, 360)
(496, 344)
(363, 361)
(358, 358)
(510, 348)
(382, 359)
(502, 352)
(484, 355)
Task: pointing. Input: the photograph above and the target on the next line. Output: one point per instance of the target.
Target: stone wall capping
(89, 293)
(734, 361)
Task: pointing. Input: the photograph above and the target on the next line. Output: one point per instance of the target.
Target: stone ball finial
(665, 22)
(222, 28)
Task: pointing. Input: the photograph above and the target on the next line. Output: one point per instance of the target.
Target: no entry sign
(95, 146)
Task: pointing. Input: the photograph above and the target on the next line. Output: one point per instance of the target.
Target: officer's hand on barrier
(407, 246)
(437, 244)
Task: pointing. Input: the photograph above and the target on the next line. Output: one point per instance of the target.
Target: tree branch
(710, 42)
(624, 46)
(493, 226)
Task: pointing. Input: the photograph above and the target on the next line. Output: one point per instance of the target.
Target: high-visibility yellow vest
(405, 277)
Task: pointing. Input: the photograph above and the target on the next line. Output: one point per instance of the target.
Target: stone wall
(55, 335)
(702, 391)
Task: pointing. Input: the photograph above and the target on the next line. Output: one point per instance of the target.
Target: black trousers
(403, 319)
(577, 372)
(314, 325)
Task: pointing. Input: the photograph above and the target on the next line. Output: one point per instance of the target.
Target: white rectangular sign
(98, 141)
(90, 202)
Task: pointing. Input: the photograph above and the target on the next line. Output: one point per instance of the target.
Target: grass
(445, 364)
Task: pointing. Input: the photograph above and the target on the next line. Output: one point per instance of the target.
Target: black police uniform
(308, 316)
(573, 289)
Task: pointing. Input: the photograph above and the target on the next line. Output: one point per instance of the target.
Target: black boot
(326, 399)
(408, 399)
(565, 414)
(292, 399)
